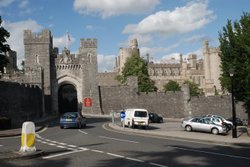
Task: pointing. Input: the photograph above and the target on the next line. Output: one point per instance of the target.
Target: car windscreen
(140, 114)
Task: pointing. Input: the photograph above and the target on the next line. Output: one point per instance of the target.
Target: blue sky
(163, 28)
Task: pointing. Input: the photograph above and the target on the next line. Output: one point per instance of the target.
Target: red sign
(87, 102)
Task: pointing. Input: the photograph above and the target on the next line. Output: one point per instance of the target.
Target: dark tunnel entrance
(67, 99)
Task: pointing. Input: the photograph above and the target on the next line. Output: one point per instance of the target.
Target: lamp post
(234, 130)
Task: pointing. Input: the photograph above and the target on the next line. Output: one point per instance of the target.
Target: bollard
(28, 137)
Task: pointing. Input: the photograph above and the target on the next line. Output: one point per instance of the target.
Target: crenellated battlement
(43, 37)
(89, 43)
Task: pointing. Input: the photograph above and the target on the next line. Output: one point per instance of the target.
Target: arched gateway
(66, 79)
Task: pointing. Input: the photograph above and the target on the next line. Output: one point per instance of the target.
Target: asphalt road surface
(98, 147)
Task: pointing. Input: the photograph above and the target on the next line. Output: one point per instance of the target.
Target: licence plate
(68, 120)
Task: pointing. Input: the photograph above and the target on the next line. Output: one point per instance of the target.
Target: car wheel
(215, 131)
(61, 127)
(188, 128)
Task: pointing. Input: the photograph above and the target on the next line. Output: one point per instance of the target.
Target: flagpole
(67, 42)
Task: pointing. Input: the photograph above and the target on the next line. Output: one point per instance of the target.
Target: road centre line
(98, 151)
(83, 132)
(76, 149)
(212, 153)
(123, 140)
(58, 155)
(116, 155)
(159, 165)
(133, 159)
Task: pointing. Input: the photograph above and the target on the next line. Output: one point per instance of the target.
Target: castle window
(37, 59)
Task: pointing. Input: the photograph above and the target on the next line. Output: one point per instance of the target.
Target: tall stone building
(68, 81)
(205, 72)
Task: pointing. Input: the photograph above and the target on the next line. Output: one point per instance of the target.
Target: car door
(205, 125)
(195, 123)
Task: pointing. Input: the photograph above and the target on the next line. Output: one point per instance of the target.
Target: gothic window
(90, 56)
(37, 59)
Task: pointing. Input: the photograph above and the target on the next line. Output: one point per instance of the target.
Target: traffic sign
(123, 114)
(87, 102)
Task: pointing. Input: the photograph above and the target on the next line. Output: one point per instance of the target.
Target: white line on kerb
(129, 141)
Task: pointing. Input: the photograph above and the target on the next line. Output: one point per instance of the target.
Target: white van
(136, 117)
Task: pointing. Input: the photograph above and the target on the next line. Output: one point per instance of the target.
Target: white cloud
(4, 3)
(16, 35)
(106, 62)
(23, 4)
(108, 8)
(185, 19)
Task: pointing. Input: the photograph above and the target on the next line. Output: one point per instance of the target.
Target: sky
(164, 28)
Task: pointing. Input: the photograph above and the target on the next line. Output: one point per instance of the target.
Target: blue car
(72, 120)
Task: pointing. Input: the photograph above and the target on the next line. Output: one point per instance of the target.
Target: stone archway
(67, 98)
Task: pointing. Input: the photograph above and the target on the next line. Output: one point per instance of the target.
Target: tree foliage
(194, 88)
(172, 86)
(235, 54)
(4, 34)
(136, 66)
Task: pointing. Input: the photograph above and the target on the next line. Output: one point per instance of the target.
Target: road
(98, 147)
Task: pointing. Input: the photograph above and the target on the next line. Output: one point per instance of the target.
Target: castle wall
(20, 102)
(170, 105)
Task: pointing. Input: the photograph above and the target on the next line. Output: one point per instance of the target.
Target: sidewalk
(173, 130)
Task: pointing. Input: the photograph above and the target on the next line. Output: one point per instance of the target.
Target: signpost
(123, 115)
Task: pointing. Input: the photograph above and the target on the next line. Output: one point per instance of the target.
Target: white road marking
(60, 146)
(123, 140)
(58, 155)
(1, 145)
(82, 148)
(83, 132)
(159, 165)
(76, 149)
(212, 153)
(133, 159)
(72, 146)
(62, 143)
(116, 155)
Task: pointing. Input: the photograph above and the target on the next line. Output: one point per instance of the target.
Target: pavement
(170, 129)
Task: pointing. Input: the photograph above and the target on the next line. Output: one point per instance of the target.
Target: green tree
(194, 88)
(172, 86)
(4, 34)
(136, 66)
(235, 54)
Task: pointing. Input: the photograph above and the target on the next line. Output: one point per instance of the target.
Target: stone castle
(204, 72)
(67, 80)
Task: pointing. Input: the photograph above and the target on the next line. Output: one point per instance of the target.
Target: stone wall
(170, 105)
(20, 102)
(220, 105)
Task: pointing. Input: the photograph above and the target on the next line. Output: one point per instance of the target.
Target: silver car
(203, 125)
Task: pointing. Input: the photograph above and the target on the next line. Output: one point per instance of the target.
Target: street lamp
(234, 130)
